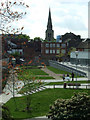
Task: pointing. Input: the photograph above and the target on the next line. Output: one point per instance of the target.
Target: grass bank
(40, 102)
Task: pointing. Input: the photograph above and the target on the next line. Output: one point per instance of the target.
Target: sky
(67, 16)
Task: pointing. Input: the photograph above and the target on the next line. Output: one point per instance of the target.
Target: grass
(30, 73)
(44, 78)
(34, 71)
(40, 102)
(58, 71)
(60, 83)
(34, 77)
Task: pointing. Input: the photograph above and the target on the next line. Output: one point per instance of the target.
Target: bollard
(65, 85)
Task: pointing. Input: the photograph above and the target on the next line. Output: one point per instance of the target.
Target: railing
(56, 64)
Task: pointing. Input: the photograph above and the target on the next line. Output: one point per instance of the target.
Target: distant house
(83, 56)
(71, 39)
(13, 44)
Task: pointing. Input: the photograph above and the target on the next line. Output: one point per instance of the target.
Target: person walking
(63, 77)
(72, 76)
(68, 78)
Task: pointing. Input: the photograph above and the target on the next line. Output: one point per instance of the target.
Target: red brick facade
(53, 48)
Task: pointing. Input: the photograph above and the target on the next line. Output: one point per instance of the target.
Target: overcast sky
(67, 16)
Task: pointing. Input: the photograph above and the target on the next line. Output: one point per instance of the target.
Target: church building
(49, 32)
(50, 48)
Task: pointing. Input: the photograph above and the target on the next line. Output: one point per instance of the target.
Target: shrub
(75, 108)
(6, 113)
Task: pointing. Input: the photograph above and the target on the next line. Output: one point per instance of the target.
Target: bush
(76, 108)
(6, 113)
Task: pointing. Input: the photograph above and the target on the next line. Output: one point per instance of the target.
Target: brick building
(51, 49)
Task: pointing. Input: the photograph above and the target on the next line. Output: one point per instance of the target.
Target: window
(51, 51)
(54, 51)
(49, 34)
(58, 45)
(41, 45)
(47, 44)
(47, 51)
(63, 51)
(51, 45)
(63, 45)
(58, 51)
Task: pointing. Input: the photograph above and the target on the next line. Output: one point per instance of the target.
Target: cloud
(67, 16)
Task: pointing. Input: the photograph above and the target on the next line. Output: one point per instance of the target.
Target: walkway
(52, 74)
(39, 118)
(8, 90)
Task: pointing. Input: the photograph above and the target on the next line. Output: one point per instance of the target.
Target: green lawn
(40, 102)
(48, 77)
(36, 77)
(34, 71)
(30, 73)
(58, 71)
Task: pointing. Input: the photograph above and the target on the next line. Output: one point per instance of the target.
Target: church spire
(49, 24)
(49, 32)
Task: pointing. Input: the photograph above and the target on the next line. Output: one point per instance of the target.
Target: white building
(83, 54)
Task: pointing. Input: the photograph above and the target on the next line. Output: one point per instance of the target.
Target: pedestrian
(63, 77)
(68, 78)
(72, 76)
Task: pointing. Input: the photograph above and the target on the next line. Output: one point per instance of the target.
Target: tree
(76, 108)
(8, 15)
(23, 36)
(6, 113)
(38, 39)
(30, 85)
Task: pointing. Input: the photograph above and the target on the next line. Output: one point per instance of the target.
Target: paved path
(4, 97)
(39, 118)
(60, 80)
(52, 74)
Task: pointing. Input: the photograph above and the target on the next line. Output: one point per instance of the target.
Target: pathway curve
(52, 74)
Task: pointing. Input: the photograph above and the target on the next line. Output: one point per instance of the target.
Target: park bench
(75, 85)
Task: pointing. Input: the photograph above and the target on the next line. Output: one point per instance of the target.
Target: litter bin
(65, 85)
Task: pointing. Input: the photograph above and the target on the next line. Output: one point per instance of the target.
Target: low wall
(56, 64)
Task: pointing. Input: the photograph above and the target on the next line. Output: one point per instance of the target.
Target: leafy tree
(30, 84)
(38, 39)
(8, 15)
(72, 49)
(6, 113)
(76, 108)
(23, 36)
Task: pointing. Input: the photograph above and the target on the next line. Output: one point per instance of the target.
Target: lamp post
(13, 62)
(76, 53)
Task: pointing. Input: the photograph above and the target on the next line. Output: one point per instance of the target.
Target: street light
(13, 63)
(76, 53)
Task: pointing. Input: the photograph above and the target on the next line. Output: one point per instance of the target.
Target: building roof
(84, 45)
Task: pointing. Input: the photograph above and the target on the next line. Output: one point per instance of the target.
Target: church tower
(49, 32)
